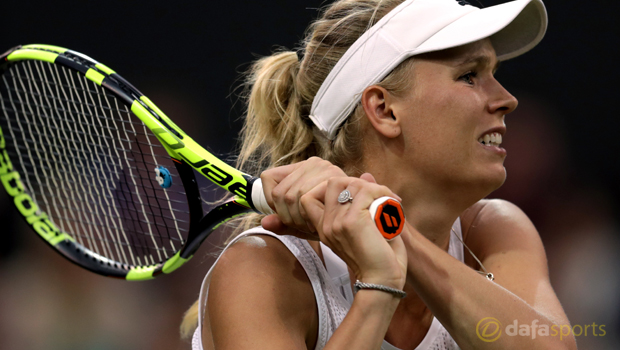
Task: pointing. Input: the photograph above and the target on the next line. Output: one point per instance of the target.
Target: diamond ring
(344, 197)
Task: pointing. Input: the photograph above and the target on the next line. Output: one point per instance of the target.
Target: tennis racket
(105, 177)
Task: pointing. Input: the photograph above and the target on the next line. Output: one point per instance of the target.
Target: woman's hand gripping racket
(104, 176)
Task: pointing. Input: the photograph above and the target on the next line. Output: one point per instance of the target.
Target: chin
(495, 181)
(489, 180)
(476, 187)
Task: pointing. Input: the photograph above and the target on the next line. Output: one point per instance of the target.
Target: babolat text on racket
(104, 176)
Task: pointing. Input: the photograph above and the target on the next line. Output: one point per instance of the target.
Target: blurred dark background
(187, 57)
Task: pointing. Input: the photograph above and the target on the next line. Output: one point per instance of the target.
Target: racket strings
(72, 102)
(40, 80)
(63, 198)
(66, 141)
(93, 235)
(151, 230)
(156, 209)
(89, 164)
(115, 170)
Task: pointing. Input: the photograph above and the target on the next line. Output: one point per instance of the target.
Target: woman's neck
(432, 218)
(429, 209)
(430, 205)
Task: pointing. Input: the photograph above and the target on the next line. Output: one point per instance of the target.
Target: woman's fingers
(284, 200)
(272, 177)
(284, 186)
(313, 207)
(323, 208)
(349, 231)
(368, 177)
(305, 197)
(363, 193)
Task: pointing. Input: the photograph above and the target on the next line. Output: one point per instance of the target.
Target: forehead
(481, 52)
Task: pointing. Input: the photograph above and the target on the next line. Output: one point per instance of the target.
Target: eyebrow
(481, 60)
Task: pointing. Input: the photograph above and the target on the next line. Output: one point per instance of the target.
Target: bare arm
(508, 245)
(502, 237)
(260, 298)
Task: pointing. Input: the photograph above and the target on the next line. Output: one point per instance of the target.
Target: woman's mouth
(491, 139)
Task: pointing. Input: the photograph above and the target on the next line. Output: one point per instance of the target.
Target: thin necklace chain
(484, 271)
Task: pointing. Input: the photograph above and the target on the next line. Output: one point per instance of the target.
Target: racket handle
(386, 212)
(388, 215)
(258, 198)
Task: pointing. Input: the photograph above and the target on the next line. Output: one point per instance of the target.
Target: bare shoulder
(496, 226)
(260, 296)
(494, 211)
(260, 260)
(509, 246)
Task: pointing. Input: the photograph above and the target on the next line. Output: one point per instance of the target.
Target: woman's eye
(468, 77)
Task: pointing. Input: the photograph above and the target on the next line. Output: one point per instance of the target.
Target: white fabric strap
(339, 273)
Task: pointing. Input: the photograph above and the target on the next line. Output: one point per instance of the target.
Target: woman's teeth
(493, 139)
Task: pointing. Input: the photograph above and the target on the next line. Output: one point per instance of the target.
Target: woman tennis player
(386, 98)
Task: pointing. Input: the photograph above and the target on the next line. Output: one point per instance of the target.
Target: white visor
(415, 27)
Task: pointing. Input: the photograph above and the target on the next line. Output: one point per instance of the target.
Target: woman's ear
(377, 105)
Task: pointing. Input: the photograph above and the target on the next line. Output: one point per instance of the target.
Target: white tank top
(332, 289)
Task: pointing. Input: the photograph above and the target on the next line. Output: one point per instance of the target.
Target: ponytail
(279, 90)
(276, 132)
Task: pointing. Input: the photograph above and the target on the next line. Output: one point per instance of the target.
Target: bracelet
(396, 292)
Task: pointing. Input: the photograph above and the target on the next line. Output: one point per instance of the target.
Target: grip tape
(258, 198)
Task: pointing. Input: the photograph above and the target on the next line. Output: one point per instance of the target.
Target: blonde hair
(279, 90)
